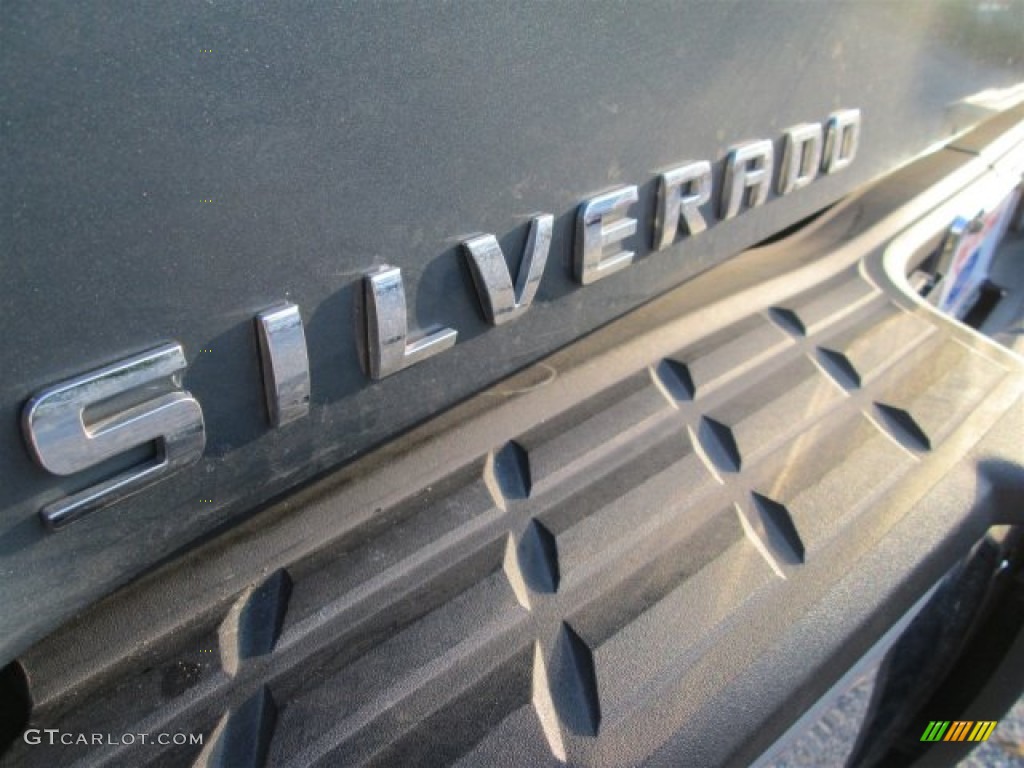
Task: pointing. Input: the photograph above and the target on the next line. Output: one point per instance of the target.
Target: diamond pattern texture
(523, 608)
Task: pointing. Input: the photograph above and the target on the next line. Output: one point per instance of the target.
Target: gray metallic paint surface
(331, 141)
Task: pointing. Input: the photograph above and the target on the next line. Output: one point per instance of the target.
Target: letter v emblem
(501, 302)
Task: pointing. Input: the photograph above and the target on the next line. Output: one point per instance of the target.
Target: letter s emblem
(86, 420)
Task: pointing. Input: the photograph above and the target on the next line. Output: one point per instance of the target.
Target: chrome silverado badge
(603, 225)
(81, 423)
